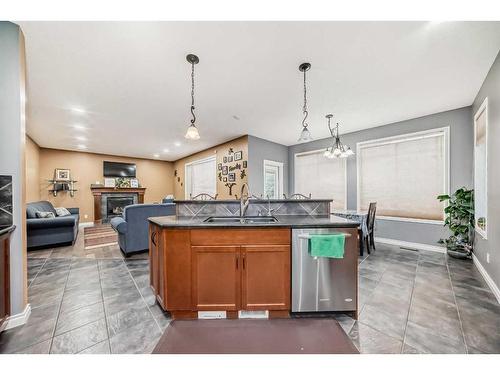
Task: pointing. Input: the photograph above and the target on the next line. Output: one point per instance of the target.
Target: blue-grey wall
(12, 139)
(259, 150)
(461, 164)
(491, 246)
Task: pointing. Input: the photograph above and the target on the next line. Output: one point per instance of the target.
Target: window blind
(404, 176)
(321, 177)
(201, 177)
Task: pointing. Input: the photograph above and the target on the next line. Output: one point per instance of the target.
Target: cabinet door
(265, 277)
(216, 278)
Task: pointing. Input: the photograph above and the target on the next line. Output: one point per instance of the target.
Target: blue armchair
(52, 231)
(133, 226)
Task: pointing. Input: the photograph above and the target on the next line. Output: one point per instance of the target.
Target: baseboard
(411, 245)
(19, 319)
(86, 224)
(487, 278)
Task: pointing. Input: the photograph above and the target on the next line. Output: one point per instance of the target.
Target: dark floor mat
(246, 336)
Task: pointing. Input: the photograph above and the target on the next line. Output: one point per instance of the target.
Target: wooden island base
(227, 269)
(220, 270)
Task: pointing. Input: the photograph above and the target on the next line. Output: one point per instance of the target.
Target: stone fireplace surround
(106, 199)
(101, 194)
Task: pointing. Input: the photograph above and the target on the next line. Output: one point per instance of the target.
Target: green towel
(327, 245)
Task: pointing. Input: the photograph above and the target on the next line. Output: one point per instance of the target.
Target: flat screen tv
(113, 169)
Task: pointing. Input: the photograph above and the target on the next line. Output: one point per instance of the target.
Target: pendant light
(338, 149)
(192, 130)
(305, 135)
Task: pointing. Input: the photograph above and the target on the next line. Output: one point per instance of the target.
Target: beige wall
(32, 155)
(238, 144)
(155, 175)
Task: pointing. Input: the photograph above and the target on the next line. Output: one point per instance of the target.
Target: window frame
(401, 138)
(187, 177)
(281, 177)
(481, 109)
(319, 151)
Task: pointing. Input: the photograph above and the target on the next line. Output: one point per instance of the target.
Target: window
(404, 175)
(321, 177)
(480, 169)
(201, 177)
(273, 179)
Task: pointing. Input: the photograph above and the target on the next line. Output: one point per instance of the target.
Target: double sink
(242, 220)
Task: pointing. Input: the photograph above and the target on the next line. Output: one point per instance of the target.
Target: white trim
(482, 108)
(410, 220)
(402, 138)
(19, 319)
(86, 224)
(281, 177)
(411, 245)
(494, 287)
(187, 178)
(319, 150)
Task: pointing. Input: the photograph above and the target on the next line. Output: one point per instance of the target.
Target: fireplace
(102, 194)
(112, 204)
(115, 205)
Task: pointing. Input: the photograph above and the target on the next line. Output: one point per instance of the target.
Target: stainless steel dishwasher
(321, 284)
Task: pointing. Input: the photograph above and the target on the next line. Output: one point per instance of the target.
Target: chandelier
(338, 149)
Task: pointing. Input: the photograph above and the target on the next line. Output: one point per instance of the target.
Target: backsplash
(5, 200)
(232, 208)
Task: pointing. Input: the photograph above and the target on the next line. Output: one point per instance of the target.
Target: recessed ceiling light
(82, 147)
(156, 155)
(78, 110)
(80, 138)
(177, 144)
(165, 150)
(79, 127)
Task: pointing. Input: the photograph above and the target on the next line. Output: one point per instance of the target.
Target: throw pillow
(45, 215)
(61, 211)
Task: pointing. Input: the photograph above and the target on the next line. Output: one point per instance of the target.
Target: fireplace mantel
(97, 192)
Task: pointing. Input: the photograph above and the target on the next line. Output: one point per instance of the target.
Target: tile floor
(98, 302)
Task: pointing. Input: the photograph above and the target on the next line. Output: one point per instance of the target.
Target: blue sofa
(53, 231)
(133, 226)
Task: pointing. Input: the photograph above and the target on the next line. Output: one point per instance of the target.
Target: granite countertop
(285, 221)
(252, 200)
(6, 229)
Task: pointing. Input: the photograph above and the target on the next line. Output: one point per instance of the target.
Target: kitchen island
(227, 266)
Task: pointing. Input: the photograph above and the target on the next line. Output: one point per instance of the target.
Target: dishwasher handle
(307, 236)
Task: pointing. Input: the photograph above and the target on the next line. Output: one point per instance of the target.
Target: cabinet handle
(243, 261)
(236, 262)
(153, 237)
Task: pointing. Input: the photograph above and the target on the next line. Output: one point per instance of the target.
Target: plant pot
(457, 252)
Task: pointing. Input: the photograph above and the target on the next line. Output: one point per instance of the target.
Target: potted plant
(460, 219)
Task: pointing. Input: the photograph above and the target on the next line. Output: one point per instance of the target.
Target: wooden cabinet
(220, 269)
(265, 277)
(216, 278)
(230, 278)
(4, 277)
(154, 250)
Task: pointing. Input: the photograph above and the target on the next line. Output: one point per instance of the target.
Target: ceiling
(123, 88)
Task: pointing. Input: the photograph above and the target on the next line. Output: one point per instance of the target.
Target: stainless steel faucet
(244, 200)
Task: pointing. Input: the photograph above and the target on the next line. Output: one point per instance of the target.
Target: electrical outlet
(487, 257)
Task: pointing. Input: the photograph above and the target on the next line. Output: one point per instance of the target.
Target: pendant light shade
(305, 134)
(192, 133)
(192, 130)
